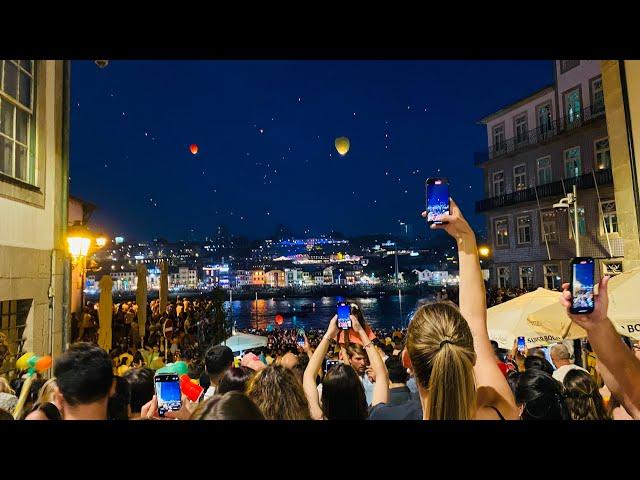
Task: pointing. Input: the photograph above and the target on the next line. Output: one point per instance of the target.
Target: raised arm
(473, 306)
(619, 367)
(381, 386)
(315, 363)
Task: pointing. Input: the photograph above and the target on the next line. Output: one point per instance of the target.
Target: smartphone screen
(330, 364)
(168, 392)
(582, 281)
(437, 198)
(344, 321)
(521, 344)
(300, 337)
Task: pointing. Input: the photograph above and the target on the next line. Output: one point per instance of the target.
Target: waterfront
(384, 312)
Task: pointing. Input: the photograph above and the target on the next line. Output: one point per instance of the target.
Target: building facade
(34, 270)
(539, 148)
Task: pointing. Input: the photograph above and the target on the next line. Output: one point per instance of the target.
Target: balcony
(553, 189)
(542, 134)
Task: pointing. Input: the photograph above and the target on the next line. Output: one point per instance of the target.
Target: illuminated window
(602, 154)
(544, 119)
(526, 277)
(502, 232)
(498, 183)
(520, 177)
(504, 277)
(572, 162)
(610, 217)
(573, 107)
(524, 229)
(552, 278)
(17, 126)
(549, 226)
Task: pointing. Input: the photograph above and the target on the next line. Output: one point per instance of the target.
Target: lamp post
(571, 200)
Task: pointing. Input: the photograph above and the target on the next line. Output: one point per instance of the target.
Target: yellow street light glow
(78, 246)
(101, 241)
(484, 251)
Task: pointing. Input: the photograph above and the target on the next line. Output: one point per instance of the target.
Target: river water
(316, 312)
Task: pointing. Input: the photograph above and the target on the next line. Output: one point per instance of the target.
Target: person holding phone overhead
(449, 350)
(353, 336)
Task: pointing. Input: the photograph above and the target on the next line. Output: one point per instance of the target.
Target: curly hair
(278, 393)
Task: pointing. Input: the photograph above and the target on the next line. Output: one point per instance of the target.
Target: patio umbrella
(508, 321)
(623, 308)
(105, 312)
(141, 298)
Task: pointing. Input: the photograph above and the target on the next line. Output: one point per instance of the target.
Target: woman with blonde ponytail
(449, 351)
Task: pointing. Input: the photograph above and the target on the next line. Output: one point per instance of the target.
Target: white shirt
(560, 373)
(211, 391)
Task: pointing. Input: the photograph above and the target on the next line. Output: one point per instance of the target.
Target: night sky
(265, 132)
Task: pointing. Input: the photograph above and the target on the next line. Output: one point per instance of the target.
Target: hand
(149, 410)
(601, 304)
(185, 411)
(332, 329)
(355, 324)
(306, 347)
(371, 374)
(456, 225)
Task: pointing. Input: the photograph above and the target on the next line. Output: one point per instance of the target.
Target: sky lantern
(279, 319)
(342, 145)
(193, 148)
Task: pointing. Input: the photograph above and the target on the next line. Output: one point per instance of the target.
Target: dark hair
(118, 406)
(343, 396)
(542, 396)
(397, 371)
(539, 364)
(232, 405)
(141, 386)
(235, 379)
(217, 359)
(84, 374)
(279, 394)
(583, 398)
(387, 349)
(512, 380)
(49, 409)
(4, 415)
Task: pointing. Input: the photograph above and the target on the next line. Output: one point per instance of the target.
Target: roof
(517, 103)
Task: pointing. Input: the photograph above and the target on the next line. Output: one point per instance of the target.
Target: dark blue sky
(132, 124)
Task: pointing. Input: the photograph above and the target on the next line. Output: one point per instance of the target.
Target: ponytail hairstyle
(583, 398)
(440, 347)
(541, 396)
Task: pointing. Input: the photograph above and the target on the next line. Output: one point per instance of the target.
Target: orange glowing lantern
(279, 319)
(193, 148)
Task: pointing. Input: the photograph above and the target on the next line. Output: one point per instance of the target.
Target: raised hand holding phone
(582, 283)
(598, 316)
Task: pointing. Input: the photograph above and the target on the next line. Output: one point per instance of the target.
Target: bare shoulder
(488, 401)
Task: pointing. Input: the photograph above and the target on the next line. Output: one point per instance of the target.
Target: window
(502, 232)
(544, 170)
(524, 229)
(572, 163)
(504, 277)
(552, 278)
(498, 183)
(549, 226)
(17, 127)
(602, 154)
(520, 177)
(521, 128)
(544, 119)
(597, 96)
(572, 106)
(13, 319)
(609, 217)
(498, 138)
(566, 65)
(526, 277)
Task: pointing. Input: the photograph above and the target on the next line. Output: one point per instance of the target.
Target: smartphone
(300, 337)
(437, 192)
(582, 282)
(167, 392)
(521, 344)
(344, 319)
(330, 364)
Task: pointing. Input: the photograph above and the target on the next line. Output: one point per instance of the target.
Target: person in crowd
(232, 405)
(84, 382)
(343, 395)
(535, 361)
(449, 349)
(353, 337)
(235, 379)
(217, 360)
(561, 358)
(8, 398)
(583, 398)
(540, 397)
(398, 376)
(141, 389)
(119, 407)
(619, 367)
(355, 355)
(289, 360)
(278, 393)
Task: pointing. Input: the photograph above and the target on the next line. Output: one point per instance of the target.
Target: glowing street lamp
(484, 251)
(101, 241)
(78, 241)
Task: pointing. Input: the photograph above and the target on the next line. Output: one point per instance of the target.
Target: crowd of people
(442, 367)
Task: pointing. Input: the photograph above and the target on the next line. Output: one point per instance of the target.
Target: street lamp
(484, 251)
(565, 203)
